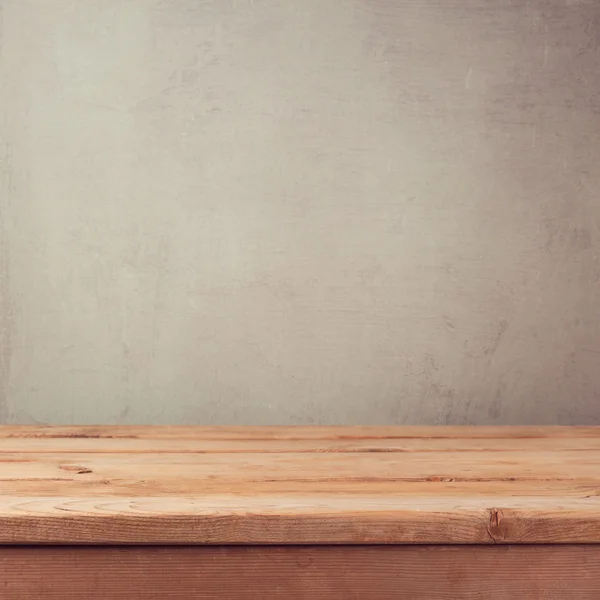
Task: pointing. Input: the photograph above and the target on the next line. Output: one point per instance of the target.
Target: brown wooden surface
(307, 573)
(168, 485)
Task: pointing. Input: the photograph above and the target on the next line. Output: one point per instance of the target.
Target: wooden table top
(299, 485)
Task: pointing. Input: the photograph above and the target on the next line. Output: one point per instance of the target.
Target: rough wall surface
(344, 211)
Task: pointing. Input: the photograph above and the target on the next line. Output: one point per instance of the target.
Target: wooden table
(299, 513)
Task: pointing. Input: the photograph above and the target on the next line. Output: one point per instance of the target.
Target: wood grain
(153, 485)
(302, 573)
(292, 433)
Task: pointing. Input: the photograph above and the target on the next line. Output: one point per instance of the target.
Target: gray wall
(327, 211)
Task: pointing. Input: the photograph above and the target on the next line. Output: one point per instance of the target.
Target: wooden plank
(293, 433)
(306, 467)
(301, 573)
(87, 485)
(522, 473)
(201, 445)
(298, 519)
(64, 488)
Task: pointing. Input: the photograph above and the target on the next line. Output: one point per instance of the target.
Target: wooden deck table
(322, 513)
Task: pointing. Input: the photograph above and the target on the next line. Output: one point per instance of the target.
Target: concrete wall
(327, 211)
